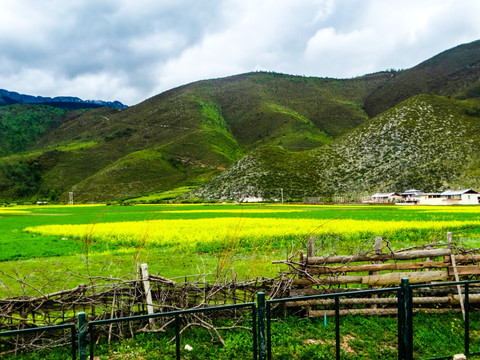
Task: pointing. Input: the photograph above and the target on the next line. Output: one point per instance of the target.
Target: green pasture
(32, 263)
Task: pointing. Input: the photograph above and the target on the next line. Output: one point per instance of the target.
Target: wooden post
(455, 272)
(378, 245)
(310, 248)
(378, 251)
(148, 292)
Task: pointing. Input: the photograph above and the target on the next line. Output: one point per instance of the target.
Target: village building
(252, 199)
(383, 198)
(451, 197)
(412, 196)
(431, 199)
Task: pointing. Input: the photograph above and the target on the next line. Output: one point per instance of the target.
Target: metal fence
(330, 303)
(460, 334)
(89, 328)
(409, 327)
(42, 331)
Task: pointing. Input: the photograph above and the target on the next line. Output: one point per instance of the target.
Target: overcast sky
(130, 50)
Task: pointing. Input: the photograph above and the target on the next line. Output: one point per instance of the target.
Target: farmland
(52, 247)
(49, 248)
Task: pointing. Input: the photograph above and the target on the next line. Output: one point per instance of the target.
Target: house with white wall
(451, 197)
(411, 196)
(383, 198)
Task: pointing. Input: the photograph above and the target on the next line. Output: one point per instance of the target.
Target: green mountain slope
(454, 72)
(22, 125)
(186, 136)
(427, 142)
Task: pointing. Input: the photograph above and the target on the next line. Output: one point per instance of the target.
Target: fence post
(337, 328)
(177, 336)
(262, 348)
(405, 321)
(148, 293)
(467, 319)
(82, 336)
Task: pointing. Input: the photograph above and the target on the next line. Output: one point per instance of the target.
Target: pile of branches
(106, 298)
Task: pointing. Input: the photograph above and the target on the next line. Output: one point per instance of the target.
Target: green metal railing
(47, 329)
(261, 312)
(84, 327)
(336, 297)
(466, 295)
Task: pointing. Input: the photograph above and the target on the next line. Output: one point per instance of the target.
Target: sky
(130, 50)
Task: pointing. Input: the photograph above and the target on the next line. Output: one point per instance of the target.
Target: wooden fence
(312, 274)
(102, 298)
(439, 262)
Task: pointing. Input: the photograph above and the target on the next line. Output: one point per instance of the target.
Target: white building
(451, 197)
(412, 196)
(431, 199)
(383, 198)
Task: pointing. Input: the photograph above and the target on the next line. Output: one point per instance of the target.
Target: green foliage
(120, 134)
(22, 125)
(23, 177)
(293, 337)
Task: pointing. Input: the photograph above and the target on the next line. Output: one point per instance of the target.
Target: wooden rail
(378, 269)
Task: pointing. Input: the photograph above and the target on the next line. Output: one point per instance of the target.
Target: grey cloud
(132, 49)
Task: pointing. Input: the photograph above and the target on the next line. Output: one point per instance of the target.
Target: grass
(160, 197)
(295, 338)
(203, 238)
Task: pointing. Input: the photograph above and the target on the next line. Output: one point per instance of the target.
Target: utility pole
(70, 198)
(281, 192)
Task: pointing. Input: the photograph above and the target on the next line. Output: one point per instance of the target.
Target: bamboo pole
(455, 272)
(378, 251)
(467, 258)
(379, 267)
(446, 300)
(464, 270)
(310, 248)
(382, 279)
(381, 257)
(322, 313)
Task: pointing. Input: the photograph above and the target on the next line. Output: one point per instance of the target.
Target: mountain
(64, 102)
(428, 142)
(254, 134)
(453, 73)
(185, 136)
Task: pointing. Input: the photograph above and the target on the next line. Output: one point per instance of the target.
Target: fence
(102, 298)
(408, 321)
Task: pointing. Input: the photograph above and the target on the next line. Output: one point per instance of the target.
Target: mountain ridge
(11, 97)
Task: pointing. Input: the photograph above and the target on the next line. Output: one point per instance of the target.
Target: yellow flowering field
(184, 239)
(249, 231)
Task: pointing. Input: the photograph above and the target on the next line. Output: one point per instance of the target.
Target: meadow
(47, 248)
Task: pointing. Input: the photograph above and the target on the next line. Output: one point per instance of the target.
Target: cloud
(265, 35)
(130, 50)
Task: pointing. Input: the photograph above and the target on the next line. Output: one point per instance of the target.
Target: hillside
(454, 72)
(186, 136)
(427, 142)
(22, 125)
